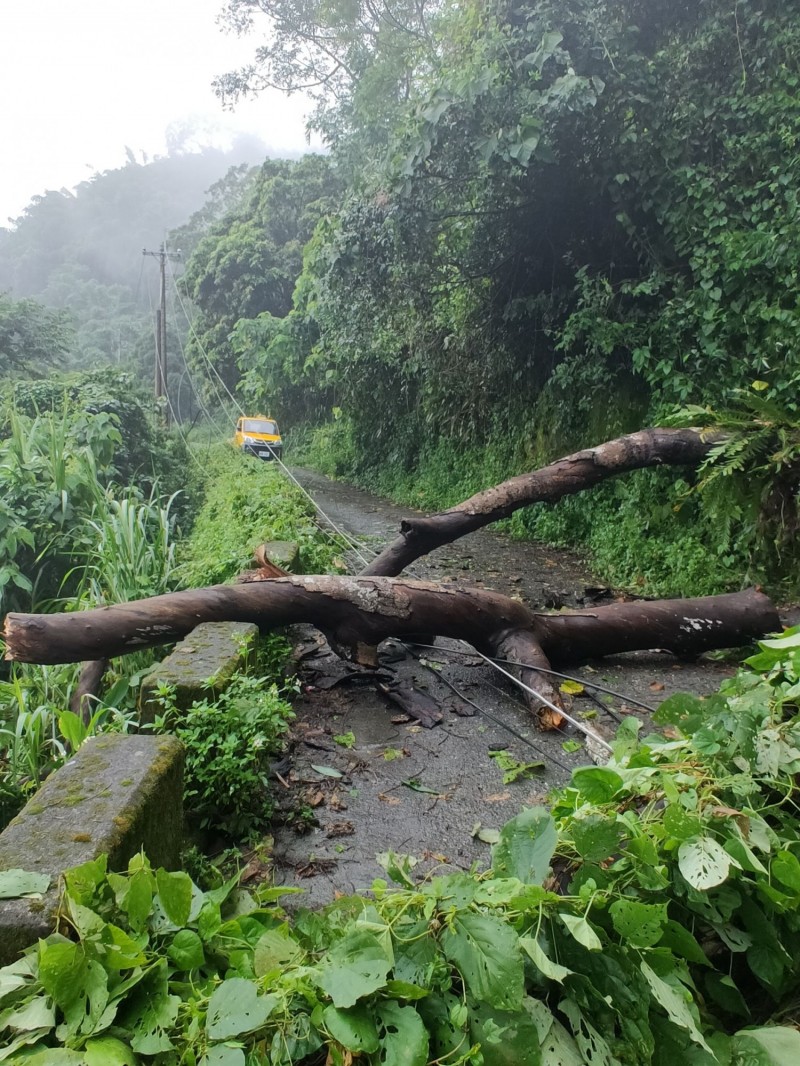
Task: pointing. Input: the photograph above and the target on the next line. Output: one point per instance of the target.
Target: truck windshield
(259, 425)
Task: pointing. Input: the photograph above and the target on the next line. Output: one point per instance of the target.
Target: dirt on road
(363, 779)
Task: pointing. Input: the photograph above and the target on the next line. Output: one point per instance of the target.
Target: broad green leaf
(526, 846)
(276, 949)
(138, 903)
(582, 931)
(236, 1008)
(704, 863)
(108, 1051)
(36, 1013)
(327, 771)
(556, 1046)
(62, 970)
(186, 950)
(597, 784)
(786, 868)
(682, 710)
(675, 1001)
(680, 824)
(592, 1045)
(356, 967)
(83, 881)
(353, 1028)
(403, 1037)
(681, 942)
(596, 837)
(406, 990)
(486, 951)
(640, 924)
(222, 1055)
(505, 1038)
(773, 1045)
(51, 1057)
(15, 883)
(175, 895)
(544, 964)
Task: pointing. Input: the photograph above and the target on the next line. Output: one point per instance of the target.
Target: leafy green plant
(650, 918)
(243, 504)
(230, 739)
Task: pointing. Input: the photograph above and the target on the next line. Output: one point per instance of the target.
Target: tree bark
(87, 691)
(565, 477)
(358, 613)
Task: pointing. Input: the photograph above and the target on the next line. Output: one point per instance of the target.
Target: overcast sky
(80, 79)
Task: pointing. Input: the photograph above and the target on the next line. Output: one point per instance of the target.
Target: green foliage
(33, 338)
(559, 222)
(671, 936)
(229, 738)
(246, 265)
(246, 502)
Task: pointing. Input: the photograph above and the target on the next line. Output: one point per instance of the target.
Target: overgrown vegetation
(89, 521)
(230, 739)
(245, 503)
(558, 222)
(648, 918)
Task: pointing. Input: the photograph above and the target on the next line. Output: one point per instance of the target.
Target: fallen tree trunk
(356, 614)
(565, 477)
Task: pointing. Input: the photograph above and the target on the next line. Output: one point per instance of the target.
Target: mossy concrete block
(119, 794)
(285, 554)
(202, 664)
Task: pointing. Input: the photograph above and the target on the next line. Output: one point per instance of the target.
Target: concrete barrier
(118, 794)
(201, 665)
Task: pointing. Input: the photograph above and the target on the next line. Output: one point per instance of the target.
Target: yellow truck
(259, 436)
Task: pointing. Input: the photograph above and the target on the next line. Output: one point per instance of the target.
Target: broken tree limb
(565, 477)
(87, 692)
(358, 613)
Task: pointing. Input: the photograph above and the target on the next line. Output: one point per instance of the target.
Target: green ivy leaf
(275, 950)
(356, 967)
(597, 784)
(236, 1008)
(353, 1028)
(16, 883)
(186, 950)
(704, 863)
(526, 846)
(403, 1036)
(175, 895)
(596, 837)
(582, 931)
(640, 924)
(108, 1051)
(486, 951)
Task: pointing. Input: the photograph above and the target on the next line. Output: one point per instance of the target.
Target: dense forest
(539, 225)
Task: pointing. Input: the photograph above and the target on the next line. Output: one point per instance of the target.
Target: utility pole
(161, 328)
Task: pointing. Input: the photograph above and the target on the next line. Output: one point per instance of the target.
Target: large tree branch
(582, 470)
(356, 614)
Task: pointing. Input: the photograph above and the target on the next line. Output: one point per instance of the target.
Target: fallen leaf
(316, 799)
(498, 797)
(435, 856)
(392, 801)
(656, 686)
(400, 719)
(336, 802)
(340, 829)
(327, 771)
(416, 785)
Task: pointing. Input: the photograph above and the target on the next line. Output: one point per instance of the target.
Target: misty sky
(80, 79)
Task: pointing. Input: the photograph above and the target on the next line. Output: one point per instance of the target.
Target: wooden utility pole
(161, 329)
